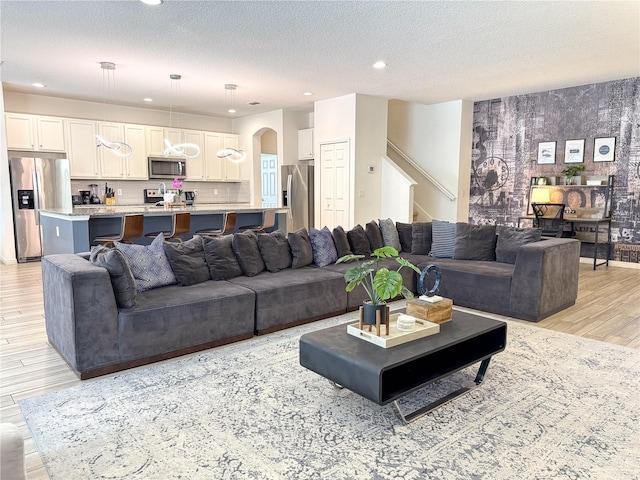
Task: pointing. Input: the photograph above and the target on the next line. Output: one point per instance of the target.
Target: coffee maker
(85, 196)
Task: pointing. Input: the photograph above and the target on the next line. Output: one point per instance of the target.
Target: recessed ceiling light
(307, 94)
(153, 2)
(38, 85)
(147, 99)
(231, 110)
(380, 64)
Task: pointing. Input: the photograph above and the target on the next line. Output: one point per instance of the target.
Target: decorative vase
(369, 312)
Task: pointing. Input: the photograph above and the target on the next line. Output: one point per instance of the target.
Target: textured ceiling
(273, 51)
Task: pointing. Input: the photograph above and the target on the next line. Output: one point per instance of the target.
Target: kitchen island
(65, 231)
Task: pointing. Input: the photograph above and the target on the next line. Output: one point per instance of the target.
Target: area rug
(553, 406)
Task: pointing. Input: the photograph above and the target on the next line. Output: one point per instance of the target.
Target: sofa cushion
(324, 250)
(511, 239)
(245, 246)
(187, 261)
(122, 280)
(221, 260)
(443, 239)
(374, 235)
(301, 250)
(475, 242)
(421, 238)
(341, 241)
(275, 250)
(389, 233)
(404, 234)
(148, 263)
(358, 241)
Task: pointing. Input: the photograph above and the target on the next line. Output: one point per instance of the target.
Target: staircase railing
(422, 172)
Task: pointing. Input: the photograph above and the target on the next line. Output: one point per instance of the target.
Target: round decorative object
(423, 276)
(491, 174)
(406, 323)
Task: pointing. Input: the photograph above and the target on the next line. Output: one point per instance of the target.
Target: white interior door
(334, 184)
(269, 179)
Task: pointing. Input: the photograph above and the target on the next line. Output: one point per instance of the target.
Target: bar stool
(132, 227)
(181, 225)
(268, 221)
(228, 226)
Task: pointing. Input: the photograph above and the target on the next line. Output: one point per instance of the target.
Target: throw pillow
(122, 281)
(221, 260)
(358, 241)
(475, 242)
(421, 238)
(404, 233)
(187, 261)
(148, 263)
(511, 239)
(301, 250)
(275, 250)
(341, 241)
(373, 235)
(389, 234)
(324, 250)
(245, 246)
(443, 239)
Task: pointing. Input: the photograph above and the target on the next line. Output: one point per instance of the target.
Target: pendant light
(188, 150)
(231, 154)
(119, 149)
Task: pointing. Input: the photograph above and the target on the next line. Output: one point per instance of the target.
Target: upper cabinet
(82, 149)
(231, 169)
(305, 144)
(35, 132)
(195, 165)
(114, 166)
(156, 144)
(136, 165)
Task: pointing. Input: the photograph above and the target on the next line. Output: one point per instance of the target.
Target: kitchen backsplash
(132, 191)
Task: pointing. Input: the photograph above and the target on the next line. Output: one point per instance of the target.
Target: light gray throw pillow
(148, 263)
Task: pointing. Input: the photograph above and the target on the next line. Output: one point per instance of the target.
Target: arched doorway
(268, 139)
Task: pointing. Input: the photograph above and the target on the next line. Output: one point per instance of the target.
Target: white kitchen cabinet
(155, 140)
(113, 166)
(305, 144)
(82, 149)
(136, 164)
(213, 164)
(35, 132)
(231, 169)
(195, 166)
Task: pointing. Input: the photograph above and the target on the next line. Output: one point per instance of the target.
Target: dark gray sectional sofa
(96, 337)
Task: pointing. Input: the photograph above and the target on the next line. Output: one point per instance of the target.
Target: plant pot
(369, 313)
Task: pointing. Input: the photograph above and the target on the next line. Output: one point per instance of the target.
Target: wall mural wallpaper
(514, 141)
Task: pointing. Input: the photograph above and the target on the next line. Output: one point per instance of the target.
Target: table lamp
(540, 195)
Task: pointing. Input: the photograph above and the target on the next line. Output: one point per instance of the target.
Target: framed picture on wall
(574, 151)
(546, 152)
(604, 149)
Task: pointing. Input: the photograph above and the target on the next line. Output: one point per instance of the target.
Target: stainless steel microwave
(166, 167)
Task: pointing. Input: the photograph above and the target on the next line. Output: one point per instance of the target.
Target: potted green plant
(572, 171)
(380, 283)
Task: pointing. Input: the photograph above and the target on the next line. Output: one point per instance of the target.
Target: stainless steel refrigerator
(39, 180)
(297, 195)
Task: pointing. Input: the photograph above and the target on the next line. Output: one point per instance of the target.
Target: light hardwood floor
(607, 309)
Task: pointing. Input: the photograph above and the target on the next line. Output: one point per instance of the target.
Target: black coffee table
(383, 375)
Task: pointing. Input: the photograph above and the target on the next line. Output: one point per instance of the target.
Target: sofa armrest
(545, 278)
(80, 310)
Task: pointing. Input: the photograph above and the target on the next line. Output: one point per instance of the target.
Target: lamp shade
(540, 195)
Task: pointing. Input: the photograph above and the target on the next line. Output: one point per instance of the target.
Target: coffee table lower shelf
(385, 375)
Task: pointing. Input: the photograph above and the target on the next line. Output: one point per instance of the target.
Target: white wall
(293, 121)
(438, 138)
(63, 107)
(396, 192)
(370, 146)
(7, 244)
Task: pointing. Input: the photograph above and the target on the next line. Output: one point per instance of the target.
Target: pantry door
(334, 185)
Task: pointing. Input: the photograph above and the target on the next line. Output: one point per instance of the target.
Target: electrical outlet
(215, 191)
(57, 231)
(361, 194)
(119, 191)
